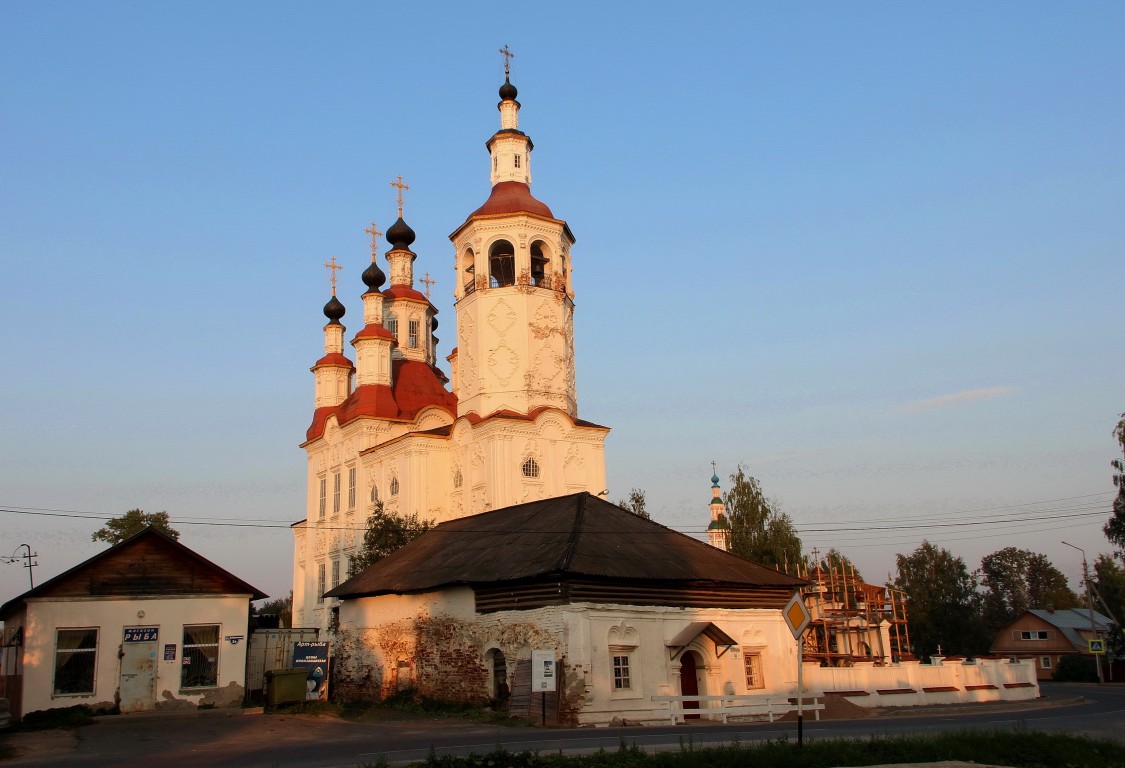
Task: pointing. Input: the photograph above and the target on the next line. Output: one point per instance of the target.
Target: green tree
(942, 604)
(117, 529)
(384, 534)
(282, 607)
(1109, 595)
(635, 503)
(1015, 580)
(1115, 526)
(759, 530)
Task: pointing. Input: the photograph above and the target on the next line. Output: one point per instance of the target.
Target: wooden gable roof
(572, 537)
(147, 564)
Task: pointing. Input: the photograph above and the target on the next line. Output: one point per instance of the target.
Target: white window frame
(351, 487)
(323, 496)
(1045, 662)
(753, 669)
(188, 648)
(1034, 634)
(624, 658)
(622, 664)
(335, 572)
(335, 493)
(320, 590)
(73, 654)
(412, 328)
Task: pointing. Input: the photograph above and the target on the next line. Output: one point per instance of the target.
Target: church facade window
(622, 674)
(413, 334)
(458, 478)
(351, 487)
(335, 493)
(392, 324)
(539, 262)
(320, 590)
(335, 573)
(517, 161)
(530, 467)
(323, 496)
(752, 666)
(501, 264)
(394, 486)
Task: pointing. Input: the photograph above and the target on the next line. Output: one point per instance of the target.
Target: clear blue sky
(873, 251)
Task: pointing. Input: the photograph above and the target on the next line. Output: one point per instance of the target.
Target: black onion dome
(334, 310)
(400, 236)
(373, 277)
(433, 323)
(507, 91)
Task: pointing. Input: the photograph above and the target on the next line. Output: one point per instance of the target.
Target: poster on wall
(544, 676)
(313, 657)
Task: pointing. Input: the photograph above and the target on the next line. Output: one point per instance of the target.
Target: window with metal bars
(201, 656)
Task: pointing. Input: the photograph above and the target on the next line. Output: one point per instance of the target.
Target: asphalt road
(287, 741)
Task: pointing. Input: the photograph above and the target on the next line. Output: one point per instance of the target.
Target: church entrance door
(689, 681)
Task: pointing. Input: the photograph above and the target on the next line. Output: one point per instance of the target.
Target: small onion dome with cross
(334, 310)
(400, 235)
(373, 277)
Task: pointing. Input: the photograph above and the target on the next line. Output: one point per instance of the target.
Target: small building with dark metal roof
(145, 624)
(1047, 635)
(630, 609)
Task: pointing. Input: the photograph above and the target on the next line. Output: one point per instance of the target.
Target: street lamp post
(1089, 607)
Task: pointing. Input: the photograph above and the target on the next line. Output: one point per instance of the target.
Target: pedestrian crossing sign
(1097, 645)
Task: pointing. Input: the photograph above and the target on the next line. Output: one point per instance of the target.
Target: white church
(386, 427)
(528, 568)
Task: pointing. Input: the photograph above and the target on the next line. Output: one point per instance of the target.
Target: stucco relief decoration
(754, 637)
(623, 635)
(503, 362)
(574, 471)
(501, 318)
(469, 381)
(478, 456)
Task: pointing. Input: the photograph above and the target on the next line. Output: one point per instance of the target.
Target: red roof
(374, 331)
(416, 386)
(512, 197)
(333, 358)
(405, 292)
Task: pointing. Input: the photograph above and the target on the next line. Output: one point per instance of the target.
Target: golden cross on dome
(713, 470)
(332, 266)
(428, 282)
(508, 56)
(397, 184)
(374, 232)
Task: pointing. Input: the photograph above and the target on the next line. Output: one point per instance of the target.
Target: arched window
(502, 264)
(391, 322)
(374, 493)
(530, 467)
(469, 268)
(539, 260)
(394, 486)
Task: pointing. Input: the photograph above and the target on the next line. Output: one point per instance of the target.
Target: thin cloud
(957, 398)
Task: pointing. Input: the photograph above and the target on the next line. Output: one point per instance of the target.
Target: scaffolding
(852, 621)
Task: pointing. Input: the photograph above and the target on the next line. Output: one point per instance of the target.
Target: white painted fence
(740, 706)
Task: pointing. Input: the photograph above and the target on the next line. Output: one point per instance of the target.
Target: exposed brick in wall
(444, 658)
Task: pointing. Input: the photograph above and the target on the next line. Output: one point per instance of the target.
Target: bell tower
(514, 300)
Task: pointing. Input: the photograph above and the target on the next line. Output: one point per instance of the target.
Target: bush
(1076, 669)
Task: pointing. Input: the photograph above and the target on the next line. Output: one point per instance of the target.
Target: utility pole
(1089, 607)
(28, 561)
